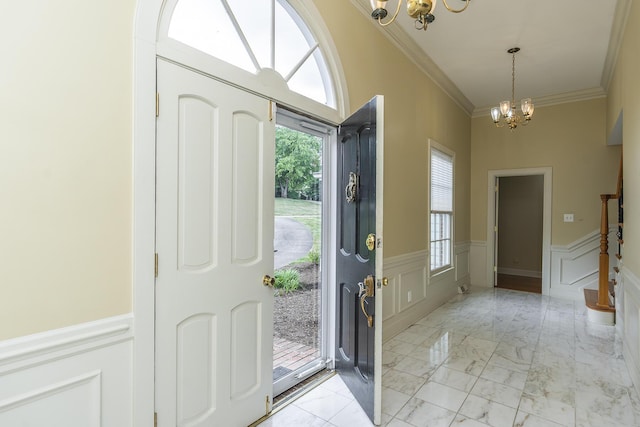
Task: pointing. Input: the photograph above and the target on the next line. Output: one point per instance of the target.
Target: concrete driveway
(292, 240)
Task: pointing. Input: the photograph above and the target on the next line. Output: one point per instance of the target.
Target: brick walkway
(291, 355)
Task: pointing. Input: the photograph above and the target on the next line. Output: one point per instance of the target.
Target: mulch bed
(295, 314)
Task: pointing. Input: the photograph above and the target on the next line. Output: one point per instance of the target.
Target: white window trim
(432, 144)
(268, 82)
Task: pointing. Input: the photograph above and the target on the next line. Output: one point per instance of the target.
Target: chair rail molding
(575, 266)
(74, 377)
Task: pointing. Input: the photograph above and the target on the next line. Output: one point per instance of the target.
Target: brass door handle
(268, 280)
(366, 290)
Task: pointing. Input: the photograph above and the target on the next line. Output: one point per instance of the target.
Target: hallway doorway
(519, 219)
(528, 189)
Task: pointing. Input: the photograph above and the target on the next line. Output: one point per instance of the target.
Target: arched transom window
(259, 37)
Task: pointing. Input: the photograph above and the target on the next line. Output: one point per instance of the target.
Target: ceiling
(568, 48)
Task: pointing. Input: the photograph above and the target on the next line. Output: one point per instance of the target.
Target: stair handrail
(603, 268)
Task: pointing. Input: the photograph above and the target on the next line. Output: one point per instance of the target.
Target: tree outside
(297, 164)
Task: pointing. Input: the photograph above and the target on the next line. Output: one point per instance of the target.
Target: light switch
(568, 217)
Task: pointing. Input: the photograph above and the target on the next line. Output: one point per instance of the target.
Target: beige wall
(65, 163)
(65, 159)
(624, 95)
(570, 138)
(415, 110)
(520, 223)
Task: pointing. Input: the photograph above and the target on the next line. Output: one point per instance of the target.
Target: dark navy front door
(356, 210)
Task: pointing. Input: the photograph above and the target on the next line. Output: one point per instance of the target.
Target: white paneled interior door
(214, 239)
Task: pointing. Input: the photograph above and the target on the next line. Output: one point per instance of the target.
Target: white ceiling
(568, 48)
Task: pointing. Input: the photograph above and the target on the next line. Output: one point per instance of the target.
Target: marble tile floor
(489, 358)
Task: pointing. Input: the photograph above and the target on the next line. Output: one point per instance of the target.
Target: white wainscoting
(478, 264)
(628, 321)
(412, 294)
(80, 376)
(575, 266)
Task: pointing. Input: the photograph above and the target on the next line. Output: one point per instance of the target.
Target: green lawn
(304, 211)
(292, 207)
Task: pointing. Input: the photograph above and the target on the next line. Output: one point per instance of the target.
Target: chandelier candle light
(507, 109)
(421, 10)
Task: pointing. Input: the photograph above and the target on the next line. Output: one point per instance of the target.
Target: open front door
(214, 242)
(359, 256)
(496, 192)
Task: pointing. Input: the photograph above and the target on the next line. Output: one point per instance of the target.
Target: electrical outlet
(409, 296)
(568, 217)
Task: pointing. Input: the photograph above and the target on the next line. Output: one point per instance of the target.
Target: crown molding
(615, 41)
(546, 101)
(416, 55)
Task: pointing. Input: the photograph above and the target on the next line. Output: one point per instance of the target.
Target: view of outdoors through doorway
(298, 349)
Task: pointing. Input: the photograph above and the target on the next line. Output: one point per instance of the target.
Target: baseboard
(74, 377)
(519, 272)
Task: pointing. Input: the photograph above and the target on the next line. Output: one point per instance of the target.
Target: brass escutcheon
(268, 280)
(371, 241)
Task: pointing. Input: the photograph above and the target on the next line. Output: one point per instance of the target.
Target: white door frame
(147, 18)
(546, 220)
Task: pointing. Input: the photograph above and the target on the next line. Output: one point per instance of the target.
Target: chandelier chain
(513, 79)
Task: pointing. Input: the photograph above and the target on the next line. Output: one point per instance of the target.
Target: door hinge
(267, 405)
(495, 268)
(495, 228)
(270, 110)
(157, 104)
(155, 265)
(155, 419)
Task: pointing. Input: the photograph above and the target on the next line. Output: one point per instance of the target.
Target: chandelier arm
(456, 10)
(395, 15)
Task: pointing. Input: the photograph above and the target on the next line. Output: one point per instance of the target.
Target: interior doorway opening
(519, 235)
(300, 296)
(493, 216)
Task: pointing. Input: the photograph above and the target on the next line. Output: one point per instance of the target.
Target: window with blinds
(441, 229)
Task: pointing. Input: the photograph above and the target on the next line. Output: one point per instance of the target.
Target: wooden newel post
(603, 272)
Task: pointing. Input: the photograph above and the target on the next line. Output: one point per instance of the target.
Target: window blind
(441, 181)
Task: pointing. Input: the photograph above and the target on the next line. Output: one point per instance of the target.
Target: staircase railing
(603, 270)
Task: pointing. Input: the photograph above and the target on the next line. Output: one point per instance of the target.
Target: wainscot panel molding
(79, 376)
(478, 263)
(412, 294)
(575, 266)
(628, 294)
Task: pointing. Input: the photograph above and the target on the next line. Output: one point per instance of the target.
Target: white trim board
(409, 274)
(630, 296)
(74, 377)
(575, 266)
(492, 175)
(572, 267)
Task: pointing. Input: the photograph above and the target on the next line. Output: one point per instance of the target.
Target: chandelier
(421, 10)
(507, 110)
